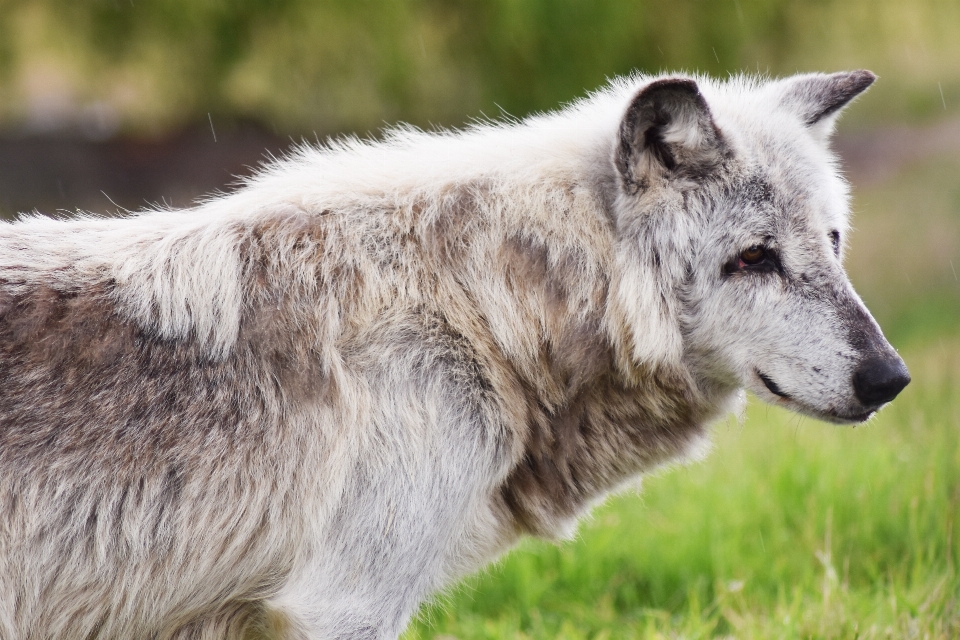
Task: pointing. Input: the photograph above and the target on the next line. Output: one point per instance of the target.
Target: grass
(791, 528)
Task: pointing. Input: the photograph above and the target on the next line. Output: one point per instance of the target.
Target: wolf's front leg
(417, 508)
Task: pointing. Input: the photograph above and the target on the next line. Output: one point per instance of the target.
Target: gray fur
(299, 410)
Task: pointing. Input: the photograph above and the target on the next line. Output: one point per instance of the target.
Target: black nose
(880, 379)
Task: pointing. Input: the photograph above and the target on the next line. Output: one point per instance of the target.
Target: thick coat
(300, 409)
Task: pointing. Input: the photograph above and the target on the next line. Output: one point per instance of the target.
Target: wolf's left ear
(667, 130)
(819, 98)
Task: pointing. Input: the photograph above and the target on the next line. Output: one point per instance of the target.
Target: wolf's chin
(847, 419)
(834, 417)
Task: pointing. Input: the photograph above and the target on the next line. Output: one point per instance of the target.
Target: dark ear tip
(671, 90)
(680, 85)
(861, 79)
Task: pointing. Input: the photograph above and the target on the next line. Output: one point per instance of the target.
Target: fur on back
(300, 409)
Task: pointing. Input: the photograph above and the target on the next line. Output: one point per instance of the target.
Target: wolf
(298, 410)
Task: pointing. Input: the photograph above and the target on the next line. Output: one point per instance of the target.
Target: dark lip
(833, 416)
(855, 418)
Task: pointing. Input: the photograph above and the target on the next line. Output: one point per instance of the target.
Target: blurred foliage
(328, 65)
(905, 250)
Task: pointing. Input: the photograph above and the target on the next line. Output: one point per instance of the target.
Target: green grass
(789, 529)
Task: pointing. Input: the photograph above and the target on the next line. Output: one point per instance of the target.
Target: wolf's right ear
(667, 130)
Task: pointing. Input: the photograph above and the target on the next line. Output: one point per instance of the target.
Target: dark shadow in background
(63, 174)
(66, 173)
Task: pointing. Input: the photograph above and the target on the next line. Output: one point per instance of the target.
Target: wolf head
(728, 195)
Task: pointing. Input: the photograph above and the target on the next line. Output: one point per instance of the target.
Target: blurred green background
(333, 65)
(791, 528)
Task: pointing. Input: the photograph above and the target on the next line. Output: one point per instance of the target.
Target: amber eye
(753, 255)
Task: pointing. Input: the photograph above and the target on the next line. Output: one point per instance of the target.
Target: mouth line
(772, 386)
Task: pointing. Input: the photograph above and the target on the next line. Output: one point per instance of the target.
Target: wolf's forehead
(796, 177)
(811, 197)
(773, 199)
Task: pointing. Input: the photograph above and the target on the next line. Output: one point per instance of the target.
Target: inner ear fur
(667, 130)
